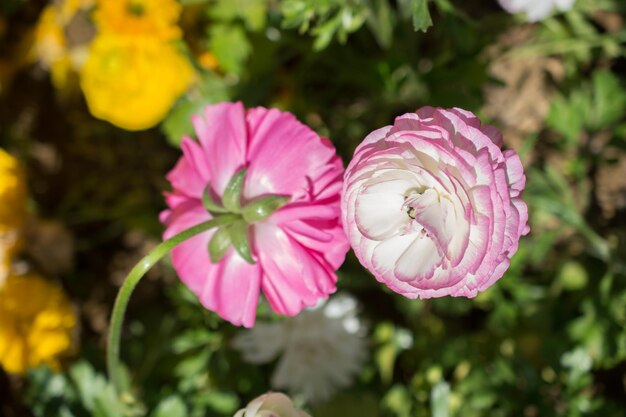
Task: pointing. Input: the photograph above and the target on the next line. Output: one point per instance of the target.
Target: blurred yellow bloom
(12, 210)
(12, 193)
(36, 323)
(51, 47)
(10, 243)
(133, 83)
(50, 44)
(151, 18)
(208, 60)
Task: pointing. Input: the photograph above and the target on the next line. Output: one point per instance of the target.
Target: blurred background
(95, 96)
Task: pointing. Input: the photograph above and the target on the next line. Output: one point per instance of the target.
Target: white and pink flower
(272, 404)
(431, 205)
(536, 10)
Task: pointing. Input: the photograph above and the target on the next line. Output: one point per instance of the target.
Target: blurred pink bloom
(432, 206)
(297, 249)
(272, 404)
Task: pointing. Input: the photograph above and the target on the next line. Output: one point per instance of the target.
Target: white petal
(386, 254)
(418, 261)
(379, 215)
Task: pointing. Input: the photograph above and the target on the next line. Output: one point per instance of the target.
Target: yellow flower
(12, 210)
(36, 323)
(12, 194)
(50, 44)
(10, 244)
(152, 18)
(51, 47)
(133, 83)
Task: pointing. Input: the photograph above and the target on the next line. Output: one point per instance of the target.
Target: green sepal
(263, 207)
(239, 238)
(219, 244)
(210, 204)
(232, 194)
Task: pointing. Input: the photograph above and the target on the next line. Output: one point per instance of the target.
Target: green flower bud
(219, 244)
(232, 194)
(211, 205)
(239, 237)
(263, 207)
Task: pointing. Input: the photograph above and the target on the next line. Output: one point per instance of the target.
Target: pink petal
(322, 236)
(293, 278)
(231, 289)
(188, 176)
(190, 258)
(286, 157)
(224, 138)
(514, 173)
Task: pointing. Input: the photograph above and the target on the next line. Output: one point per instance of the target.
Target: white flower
(272, 404)
(536, 10)
(323, 348)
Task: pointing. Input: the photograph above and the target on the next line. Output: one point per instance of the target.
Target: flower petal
(286, 157)
(293, 278)
(224, 138)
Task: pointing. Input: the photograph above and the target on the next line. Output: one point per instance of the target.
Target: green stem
(131, 281)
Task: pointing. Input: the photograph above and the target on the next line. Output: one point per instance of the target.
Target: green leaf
(209, 203)
(573, 276)
(239, 238)
(95, 392)
(232, 194)
(324, 19)
(171, 407)
(219, 244)
(252, 12)
(345, 405)
(609, 100)
(380, 22)
(263, 207)
(593, 107)
(421, 15)
(230, 45)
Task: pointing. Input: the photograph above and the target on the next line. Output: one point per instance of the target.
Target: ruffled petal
(293, 278)
(223, 136)
(286, 157)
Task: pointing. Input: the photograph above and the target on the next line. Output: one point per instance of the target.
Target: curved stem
(131, 281)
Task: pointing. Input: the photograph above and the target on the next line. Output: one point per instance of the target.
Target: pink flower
(432, 206)
(296, 250)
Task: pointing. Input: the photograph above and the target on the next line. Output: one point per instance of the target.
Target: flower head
(133, 83)
(272, 404)
(57, 48)
(36, 323)
(12, 210)
(156, 19)
(432, 206)
(323, 348)
(536, 10)
(288, 240)
(12, 193)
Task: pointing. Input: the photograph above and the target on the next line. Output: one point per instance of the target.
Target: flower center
(416, 202)
(135, 8)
